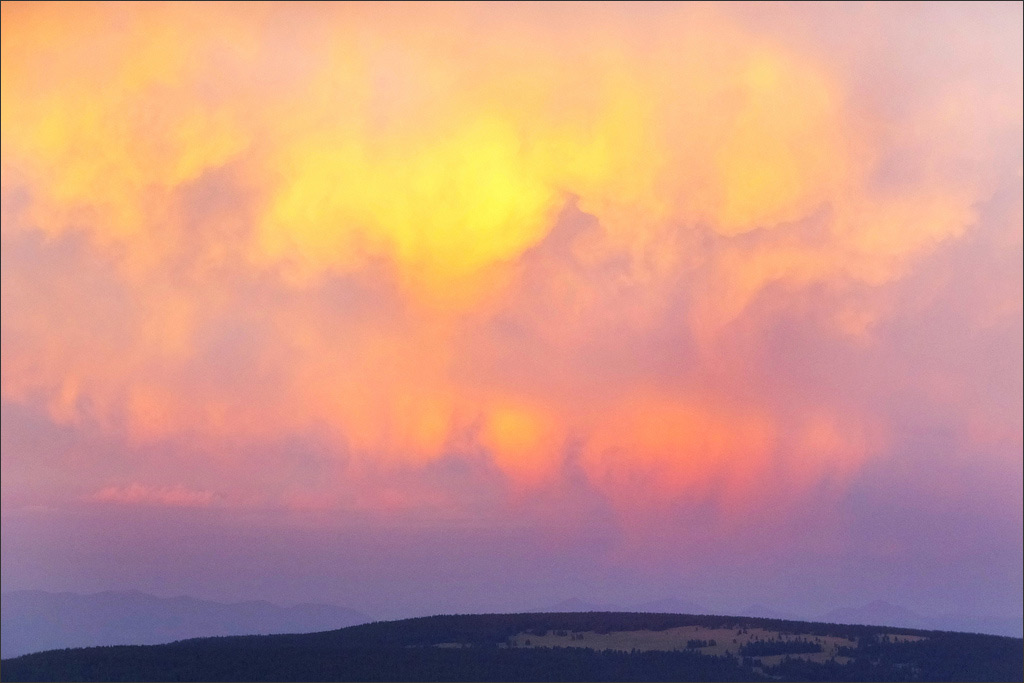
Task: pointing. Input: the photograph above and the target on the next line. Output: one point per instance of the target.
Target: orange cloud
(290, 217)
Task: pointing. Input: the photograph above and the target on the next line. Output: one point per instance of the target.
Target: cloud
(706, 253)
(140, 494)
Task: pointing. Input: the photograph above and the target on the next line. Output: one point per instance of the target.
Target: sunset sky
(474, 307)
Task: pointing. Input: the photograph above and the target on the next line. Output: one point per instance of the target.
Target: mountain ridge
(552, 647)
(35, 620)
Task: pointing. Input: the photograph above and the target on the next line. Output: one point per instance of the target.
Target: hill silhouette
(594, 646)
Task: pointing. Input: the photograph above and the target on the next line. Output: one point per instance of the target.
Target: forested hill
(592, 646)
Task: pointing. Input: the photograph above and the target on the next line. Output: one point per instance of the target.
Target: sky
(477, 307)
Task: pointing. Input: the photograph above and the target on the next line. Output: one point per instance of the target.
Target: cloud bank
(684, 270)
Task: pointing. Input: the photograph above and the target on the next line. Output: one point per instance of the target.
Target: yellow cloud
(431, 151)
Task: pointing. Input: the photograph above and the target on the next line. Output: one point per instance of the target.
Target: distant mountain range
(36, 620)
(880, 612)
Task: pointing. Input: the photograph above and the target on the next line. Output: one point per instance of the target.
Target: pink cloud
(140, 494)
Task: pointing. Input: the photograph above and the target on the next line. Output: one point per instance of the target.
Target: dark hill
(591, 646)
